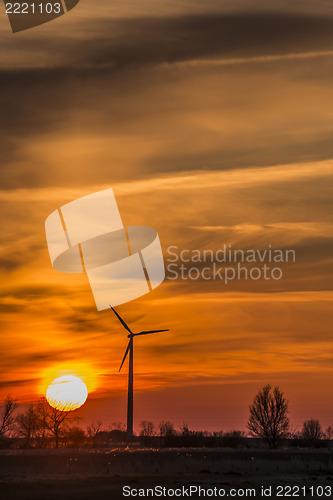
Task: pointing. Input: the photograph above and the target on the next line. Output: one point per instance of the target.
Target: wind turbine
(129, 350)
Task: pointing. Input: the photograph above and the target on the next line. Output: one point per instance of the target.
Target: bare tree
(52, 419)
(166, 428)
(293, 432)
(147, 428)
(312, 430)
(184, 429)
(329, 432)
(269, 415)
(42, 431)
(27, 424)
(117, 426)
(7, 419)
(93, 429)
(74, 436)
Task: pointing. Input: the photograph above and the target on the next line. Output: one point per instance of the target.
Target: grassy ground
(102, 474)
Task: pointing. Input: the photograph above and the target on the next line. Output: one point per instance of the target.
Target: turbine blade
(126, 352)
(121, 321)
(149, 331)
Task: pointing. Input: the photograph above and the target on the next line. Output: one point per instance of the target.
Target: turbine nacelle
(131, 335)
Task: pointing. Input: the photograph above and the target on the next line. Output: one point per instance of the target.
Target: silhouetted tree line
(41, 425)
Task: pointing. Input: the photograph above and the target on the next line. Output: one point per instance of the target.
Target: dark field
(101, 474)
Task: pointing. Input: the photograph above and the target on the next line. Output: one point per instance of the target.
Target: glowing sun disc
(66, 393)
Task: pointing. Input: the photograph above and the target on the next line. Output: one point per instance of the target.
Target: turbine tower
(129, 350)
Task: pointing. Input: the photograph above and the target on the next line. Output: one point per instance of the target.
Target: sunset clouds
(213, 126)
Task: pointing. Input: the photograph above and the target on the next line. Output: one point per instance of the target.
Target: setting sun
(67, 393)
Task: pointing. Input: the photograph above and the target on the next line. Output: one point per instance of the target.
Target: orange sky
(210, 143)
